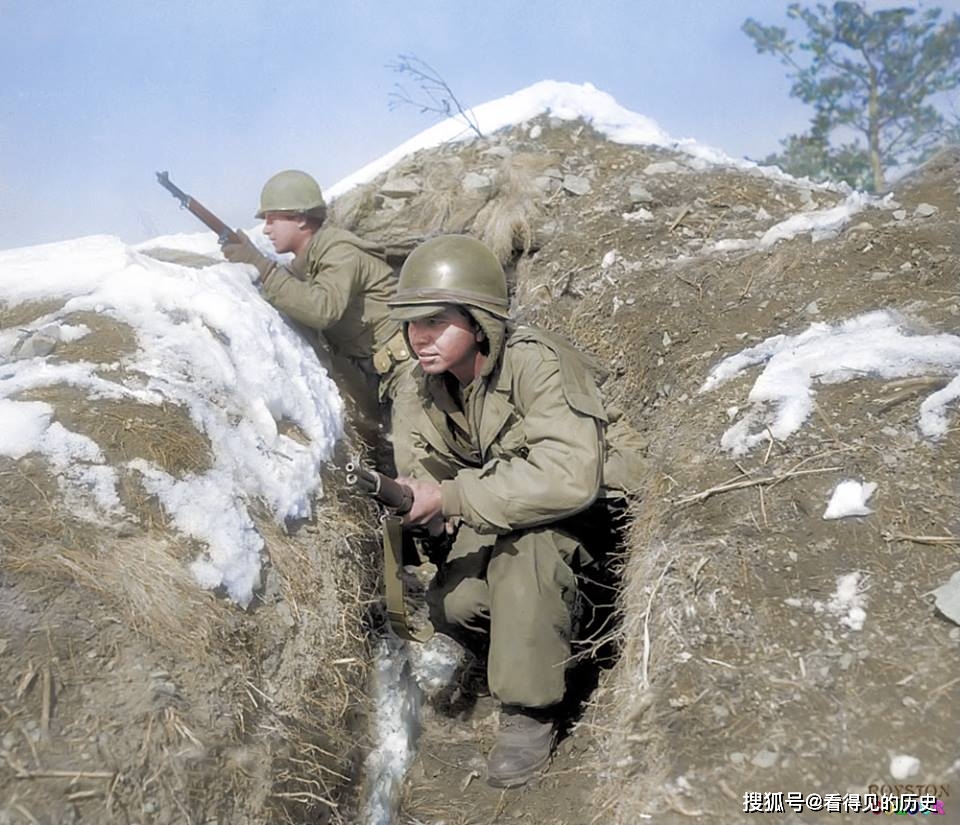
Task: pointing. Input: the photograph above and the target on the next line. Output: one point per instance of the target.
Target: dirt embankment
(734, 676)
(729, 679)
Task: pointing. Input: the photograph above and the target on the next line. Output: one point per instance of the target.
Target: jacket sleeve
(320, 300)
(556, 473)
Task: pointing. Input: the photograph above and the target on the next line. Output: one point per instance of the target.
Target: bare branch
(436, 94)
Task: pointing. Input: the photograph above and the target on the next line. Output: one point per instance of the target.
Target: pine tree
(872, 75)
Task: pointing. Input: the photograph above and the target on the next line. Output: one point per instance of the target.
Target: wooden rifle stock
(224, 233)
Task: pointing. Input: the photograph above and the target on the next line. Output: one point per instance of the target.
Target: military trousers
(516, 591)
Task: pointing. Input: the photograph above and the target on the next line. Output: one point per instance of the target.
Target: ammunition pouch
(393, 352)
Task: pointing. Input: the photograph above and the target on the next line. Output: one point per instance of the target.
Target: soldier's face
(448, 342)
(286, 231)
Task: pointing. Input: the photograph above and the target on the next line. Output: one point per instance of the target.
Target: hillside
(744, 665)
(758, 647)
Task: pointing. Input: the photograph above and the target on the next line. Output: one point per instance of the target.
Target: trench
(404, 676)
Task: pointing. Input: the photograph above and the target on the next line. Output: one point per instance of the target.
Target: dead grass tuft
(109, 339)
(354, 206)
(635, 746)
(20, 315)
(124, 429)
(507, 223)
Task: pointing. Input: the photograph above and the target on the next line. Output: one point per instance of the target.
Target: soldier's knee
(467, 605)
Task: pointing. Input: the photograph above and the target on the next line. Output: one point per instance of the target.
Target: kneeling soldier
(521, 454)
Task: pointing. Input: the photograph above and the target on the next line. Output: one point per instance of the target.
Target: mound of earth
(740, 669)
(129, 693)
(758, 648)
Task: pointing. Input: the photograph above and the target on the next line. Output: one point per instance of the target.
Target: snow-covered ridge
(566, 101)
(207, 342)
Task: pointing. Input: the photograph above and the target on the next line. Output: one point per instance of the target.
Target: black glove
(244, 252)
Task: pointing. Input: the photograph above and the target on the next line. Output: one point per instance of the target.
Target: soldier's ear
(480, 335)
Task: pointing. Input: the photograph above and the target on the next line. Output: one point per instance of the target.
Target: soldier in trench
(338, 286)
(510, 452)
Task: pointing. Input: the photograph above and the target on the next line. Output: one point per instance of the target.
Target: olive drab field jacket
(530, 441)
(339, 286)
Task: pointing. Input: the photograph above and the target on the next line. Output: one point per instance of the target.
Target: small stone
(812, 308)
(764, 759)
(404, 187)
(903, 766)
(880, 275)
(738, 758)
(899, 214)
(475, 182)
(662, 168)
(576, 185)
(546, 184)
(925, 210)
(639, 194)
(535, 131)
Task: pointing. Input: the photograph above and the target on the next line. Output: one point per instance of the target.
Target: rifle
(224, 233)
(389, 492)
(398, 499)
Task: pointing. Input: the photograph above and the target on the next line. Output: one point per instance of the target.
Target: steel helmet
(450, 269)
(292, 191)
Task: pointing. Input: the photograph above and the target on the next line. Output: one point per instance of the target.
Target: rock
(899, 214)
(812, 308)
(609, 259)
(35, 345)
(638, 215)
(664, 167)
(925, 210)
(880, 276)
(535, 131)
(903, 766)
(764, 759)
(498, 151)
(547, 184)
(476, 183)
(948, 598)
(576, 185)
(639, 194)
(404, 187)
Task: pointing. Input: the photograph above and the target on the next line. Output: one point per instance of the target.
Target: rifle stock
(224, 233)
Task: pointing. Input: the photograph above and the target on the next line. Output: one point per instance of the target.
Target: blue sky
(100, 94)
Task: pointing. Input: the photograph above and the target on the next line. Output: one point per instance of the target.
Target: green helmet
(450, 269)
(292, 191)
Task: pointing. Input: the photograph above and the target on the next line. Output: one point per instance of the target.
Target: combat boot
(522, 750)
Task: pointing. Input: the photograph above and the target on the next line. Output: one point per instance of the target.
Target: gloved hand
(244, 252)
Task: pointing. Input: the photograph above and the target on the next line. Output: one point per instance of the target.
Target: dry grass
(351, 208)
(634, 762)
(109, 339)
(507, 223)
(19, 315)
(124, 429)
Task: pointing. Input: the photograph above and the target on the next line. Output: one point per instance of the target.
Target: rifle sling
(393, 582)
